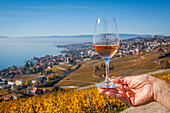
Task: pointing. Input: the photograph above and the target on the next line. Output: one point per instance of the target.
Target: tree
(34, 70)
(40, 73)
(30, 71)
(27, 84)
(100, 66)
(55, 88)
(31, 64)
(48, 78)
(165, 65)
(26, 65)
(52, 75)
(45, 66)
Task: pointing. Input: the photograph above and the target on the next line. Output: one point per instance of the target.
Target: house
(89, 52)
(67, 69)
(10, 83)
(20, 87)
(36, 91)
(15, 96)
(5, 87)
(20, 82)
(45, 91)
(94, 53)
(27, 72)
(6, 76)
(49, 67)
(78, 61)
(86, 59)
(2, 82)
(39, 79)
(12, 97)
(8, 97)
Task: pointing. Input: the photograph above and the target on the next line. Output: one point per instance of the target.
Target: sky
(77, 17)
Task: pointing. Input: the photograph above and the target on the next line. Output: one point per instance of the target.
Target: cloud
(18, 12)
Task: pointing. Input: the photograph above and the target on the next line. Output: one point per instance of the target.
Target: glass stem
(107, 69)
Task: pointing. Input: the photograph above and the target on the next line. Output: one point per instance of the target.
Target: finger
(129, 92)
(123, 98)
(102, 90)
(111, 93)
(122, 80)
(121, 88)
(117, 80)
(109, 89)
(119, 96)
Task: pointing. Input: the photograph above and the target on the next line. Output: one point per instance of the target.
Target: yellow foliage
(63, 102)
(48, 77)
(27, 83)
(40, 73)
(67, 102)
(164, 76)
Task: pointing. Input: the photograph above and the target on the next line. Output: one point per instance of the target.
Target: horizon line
(76, 35)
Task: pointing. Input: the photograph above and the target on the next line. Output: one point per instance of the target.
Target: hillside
(84, 74)
(120, 66)
(69, 102)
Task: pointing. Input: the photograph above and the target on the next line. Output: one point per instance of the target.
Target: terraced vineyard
(67, 102)
(164, 76)
(137, 64)
(63, 102)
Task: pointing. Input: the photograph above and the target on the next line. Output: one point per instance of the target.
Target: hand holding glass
(106, 43)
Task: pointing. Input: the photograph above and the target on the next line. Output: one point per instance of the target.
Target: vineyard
(164, 76)
(63, 102)
(67, 102)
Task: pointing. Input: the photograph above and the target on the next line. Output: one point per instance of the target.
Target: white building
(81, 53)
(38, 79)
(94, 53)
(86, 59)
(137, 50)
(11, 83)
(20, 82)
(89, 52)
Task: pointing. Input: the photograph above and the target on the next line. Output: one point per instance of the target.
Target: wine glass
(106, 43)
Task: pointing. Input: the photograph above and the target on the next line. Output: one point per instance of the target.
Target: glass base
(107, 84)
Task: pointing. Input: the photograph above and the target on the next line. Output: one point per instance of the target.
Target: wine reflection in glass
(106, 43)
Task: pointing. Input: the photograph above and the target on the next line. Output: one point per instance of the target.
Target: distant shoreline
(121, 35)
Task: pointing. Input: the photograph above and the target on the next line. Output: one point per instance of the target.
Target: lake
(15, 51)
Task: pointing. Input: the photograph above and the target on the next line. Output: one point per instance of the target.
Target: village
(72, 55)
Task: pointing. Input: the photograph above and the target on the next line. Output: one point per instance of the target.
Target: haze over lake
(15, 51)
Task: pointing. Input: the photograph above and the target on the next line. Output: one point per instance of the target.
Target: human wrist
(157, 89)
(161, 91)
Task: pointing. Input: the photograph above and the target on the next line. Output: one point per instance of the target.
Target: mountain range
(121, 35)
